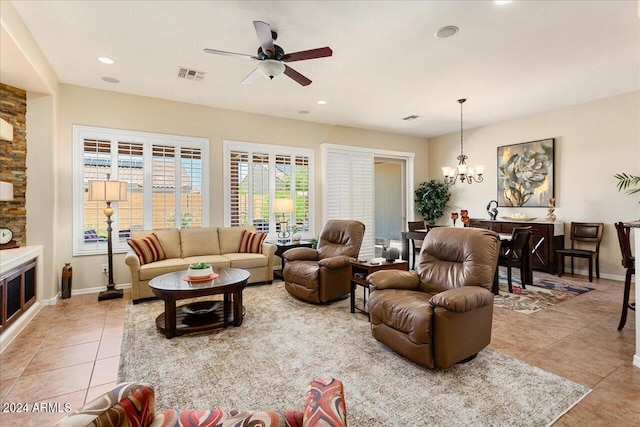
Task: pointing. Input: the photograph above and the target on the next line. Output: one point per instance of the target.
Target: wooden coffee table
(202, 315)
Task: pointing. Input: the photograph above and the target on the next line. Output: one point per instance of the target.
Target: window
(166, 180)
(255, 174)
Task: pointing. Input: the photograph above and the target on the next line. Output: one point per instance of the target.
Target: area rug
(546, 291)
(284, 343)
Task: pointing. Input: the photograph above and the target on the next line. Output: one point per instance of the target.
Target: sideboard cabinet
(547, 237)
(17, 293)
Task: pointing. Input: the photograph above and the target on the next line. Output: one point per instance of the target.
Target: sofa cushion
(230, 237)
(148, 249)
(216, 261)
(199, 241)
(169, 240)
(247, 260)
(251, 243)
(149, 271)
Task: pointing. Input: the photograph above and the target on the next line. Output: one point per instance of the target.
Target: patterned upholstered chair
(324, 274)
(441, 314)
(133, 405)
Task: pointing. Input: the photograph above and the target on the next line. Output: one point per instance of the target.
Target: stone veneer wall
(13, 161)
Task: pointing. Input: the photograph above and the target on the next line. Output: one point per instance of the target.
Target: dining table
(505, 238)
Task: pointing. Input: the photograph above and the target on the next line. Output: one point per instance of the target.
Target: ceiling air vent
(190, 74)
(411, 117)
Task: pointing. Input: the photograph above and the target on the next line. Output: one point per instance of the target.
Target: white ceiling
(509, 61)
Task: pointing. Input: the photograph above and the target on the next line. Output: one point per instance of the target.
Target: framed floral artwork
(525, 174)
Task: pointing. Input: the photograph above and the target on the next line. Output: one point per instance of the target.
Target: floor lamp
(108, 191)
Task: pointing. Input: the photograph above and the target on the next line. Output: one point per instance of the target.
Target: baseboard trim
(9, 334)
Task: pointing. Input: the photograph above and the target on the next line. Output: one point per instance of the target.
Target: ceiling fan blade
(290, 72)
(237, 55)
(252, 77)
(321, 52)
(263, 30)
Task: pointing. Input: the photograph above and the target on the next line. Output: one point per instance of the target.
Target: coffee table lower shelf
(200, 316)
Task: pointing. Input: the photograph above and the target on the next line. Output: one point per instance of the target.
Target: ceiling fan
(272, 57)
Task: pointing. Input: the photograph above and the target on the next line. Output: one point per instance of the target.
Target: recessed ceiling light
(321, 102)
(501, 2)
(446, 31)
(105, 60)
(111, 80)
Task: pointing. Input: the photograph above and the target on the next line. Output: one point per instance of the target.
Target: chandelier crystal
(462, 171)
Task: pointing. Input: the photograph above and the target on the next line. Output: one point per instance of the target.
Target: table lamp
(283, 207)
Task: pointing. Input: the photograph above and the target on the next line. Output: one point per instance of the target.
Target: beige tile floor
(69, 354)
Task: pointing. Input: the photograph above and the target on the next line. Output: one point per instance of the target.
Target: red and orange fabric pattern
(148, 249)
(251, 243)
(132, 405)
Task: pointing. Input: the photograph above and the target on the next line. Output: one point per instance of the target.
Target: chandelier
(462, 171)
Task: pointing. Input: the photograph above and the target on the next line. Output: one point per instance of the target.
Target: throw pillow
(251, 243)
(148, 249)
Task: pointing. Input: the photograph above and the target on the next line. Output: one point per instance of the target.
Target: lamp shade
(6, 191)
(107, 191)
(283, 206)
(271, 68)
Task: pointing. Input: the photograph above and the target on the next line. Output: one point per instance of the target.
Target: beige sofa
(217, 246)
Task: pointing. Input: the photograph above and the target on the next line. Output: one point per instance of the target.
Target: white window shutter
(349, 191)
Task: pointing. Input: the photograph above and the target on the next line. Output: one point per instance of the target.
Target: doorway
(390, 203)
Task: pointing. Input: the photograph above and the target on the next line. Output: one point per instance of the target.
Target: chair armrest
(335, 262)
(132, 260)
(324, 404)
(301, 254)
(131, 403)
(463, 299)
(393, 279)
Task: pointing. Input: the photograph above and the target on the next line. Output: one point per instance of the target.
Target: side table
(359, 272)
(282, 247)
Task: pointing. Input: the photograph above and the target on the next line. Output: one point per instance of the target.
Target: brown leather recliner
(324, 274)
(442, 314)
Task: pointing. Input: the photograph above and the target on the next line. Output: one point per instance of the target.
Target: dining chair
(583, 234)
(416, 245)
(515, 252)
(628, 262)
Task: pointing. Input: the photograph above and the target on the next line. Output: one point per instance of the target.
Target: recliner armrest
(335, 262)
(463, 299)
(393, 279)
(301, 254)
(324, 403)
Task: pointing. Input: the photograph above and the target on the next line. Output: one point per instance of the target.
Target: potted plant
(626, 180)
(431, 200)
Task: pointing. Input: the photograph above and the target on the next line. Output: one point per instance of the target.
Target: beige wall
(593, 141)
(84, 106)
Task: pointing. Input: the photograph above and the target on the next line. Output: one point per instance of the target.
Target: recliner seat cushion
(305, 272)
(406, 311)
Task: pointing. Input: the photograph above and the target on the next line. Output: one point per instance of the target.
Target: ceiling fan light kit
(272, 57)
(271, 68)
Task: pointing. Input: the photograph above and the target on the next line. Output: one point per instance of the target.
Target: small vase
(551, 217)
(296, 237)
